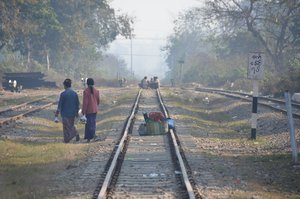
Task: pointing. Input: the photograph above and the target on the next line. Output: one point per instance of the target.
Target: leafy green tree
(69, 35)
(88, 25)
(10, 26)
(268, 21)
(30, 22)
(208, 59)
(185, 45)
(215, 41)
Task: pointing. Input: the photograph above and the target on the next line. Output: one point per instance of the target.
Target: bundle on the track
(155, 124)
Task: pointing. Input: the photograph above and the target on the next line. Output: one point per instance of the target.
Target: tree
(87, 25)
(185, 44)
(268, 21)
(26, 24)
(295, 29)
(113, 67)
(9, 10)
(69, 34)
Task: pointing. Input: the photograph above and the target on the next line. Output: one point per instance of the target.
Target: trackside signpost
(255, 73)
(291, 127)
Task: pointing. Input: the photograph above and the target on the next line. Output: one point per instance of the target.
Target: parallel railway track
(273, 103)
(146, 166)
(16, 112)
(151, 166)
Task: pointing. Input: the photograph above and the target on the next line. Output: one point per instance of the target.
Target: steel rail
(16, 117)
(229, 94)
(179, 157)
(108, 177)
(20, 105)
(294, 104)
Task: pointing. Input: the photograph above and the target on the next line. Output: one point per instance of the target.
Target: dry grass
(34, 155)
(242, 168)
(27, 167)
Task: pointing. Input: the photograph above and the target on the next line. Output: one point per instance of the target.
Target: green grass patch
(222, 126)
(111, 120)
(41, 124)
(29, 153)
(27, 168)
(208, 114)
(186, 107)
(27, 181)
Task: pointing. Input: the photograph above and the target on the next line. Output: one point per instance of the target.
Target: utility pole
(131, 56)
(131, 71)
(181, 62)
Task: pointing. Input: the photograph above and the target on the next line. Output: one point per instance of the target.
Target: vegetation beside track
(33, 155)
(241, 167)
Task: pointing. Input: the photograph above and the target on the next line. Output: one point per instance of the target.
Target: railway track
(273, 103)
(11, 114)
(146, 166)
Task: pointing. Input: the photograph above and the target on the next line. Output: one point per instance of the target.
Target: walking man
(68, 107)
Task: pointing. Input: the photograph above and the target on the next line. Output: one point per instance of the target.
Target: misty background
(153, 24)
(189, 41)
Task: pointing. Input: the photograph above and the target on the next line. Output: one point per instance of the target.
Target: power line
(143, 38)
(145, 55)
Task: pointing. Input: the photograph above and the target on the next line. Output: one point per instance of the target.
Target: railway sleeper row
(146, 166)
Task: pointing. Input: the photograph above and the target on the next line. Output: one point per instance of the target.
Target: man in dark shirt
(68, 107)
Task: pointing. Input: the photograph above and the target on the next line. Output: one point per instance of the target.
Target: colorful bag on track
(156, 128)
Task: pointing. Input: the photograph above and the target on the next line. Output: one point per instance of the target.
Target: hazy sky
(153, 23)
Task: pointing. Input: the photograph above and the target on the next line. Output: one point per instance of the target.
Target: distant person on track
(83, 81)
(122, 82)
(10, 85)
(144, 83)
(172, 82)
(91, 100)
(156, 82)
(68, 107)
(15, 86)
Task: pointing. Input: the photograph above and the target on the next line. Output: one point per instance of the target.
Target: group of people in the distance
(152, 83)
(68, 108)
(122, 82)
(14, 86)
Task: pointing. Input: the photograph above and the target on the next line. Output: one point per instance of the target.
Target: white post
(255, 72)
(48, 61)
(291, 126)
(254, 109)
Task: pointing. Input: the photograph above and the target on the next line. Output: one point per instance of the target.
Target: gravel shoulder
(226, 163)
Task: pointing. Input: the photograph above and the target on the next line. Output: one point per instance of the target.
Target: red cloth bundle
(157, 116)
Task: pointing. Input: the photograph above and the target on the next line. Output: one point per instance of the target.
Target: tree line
(210, 44)
(67, 37)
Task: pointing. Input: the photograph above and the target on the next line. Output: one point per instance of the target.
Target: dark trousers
(90, 126)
